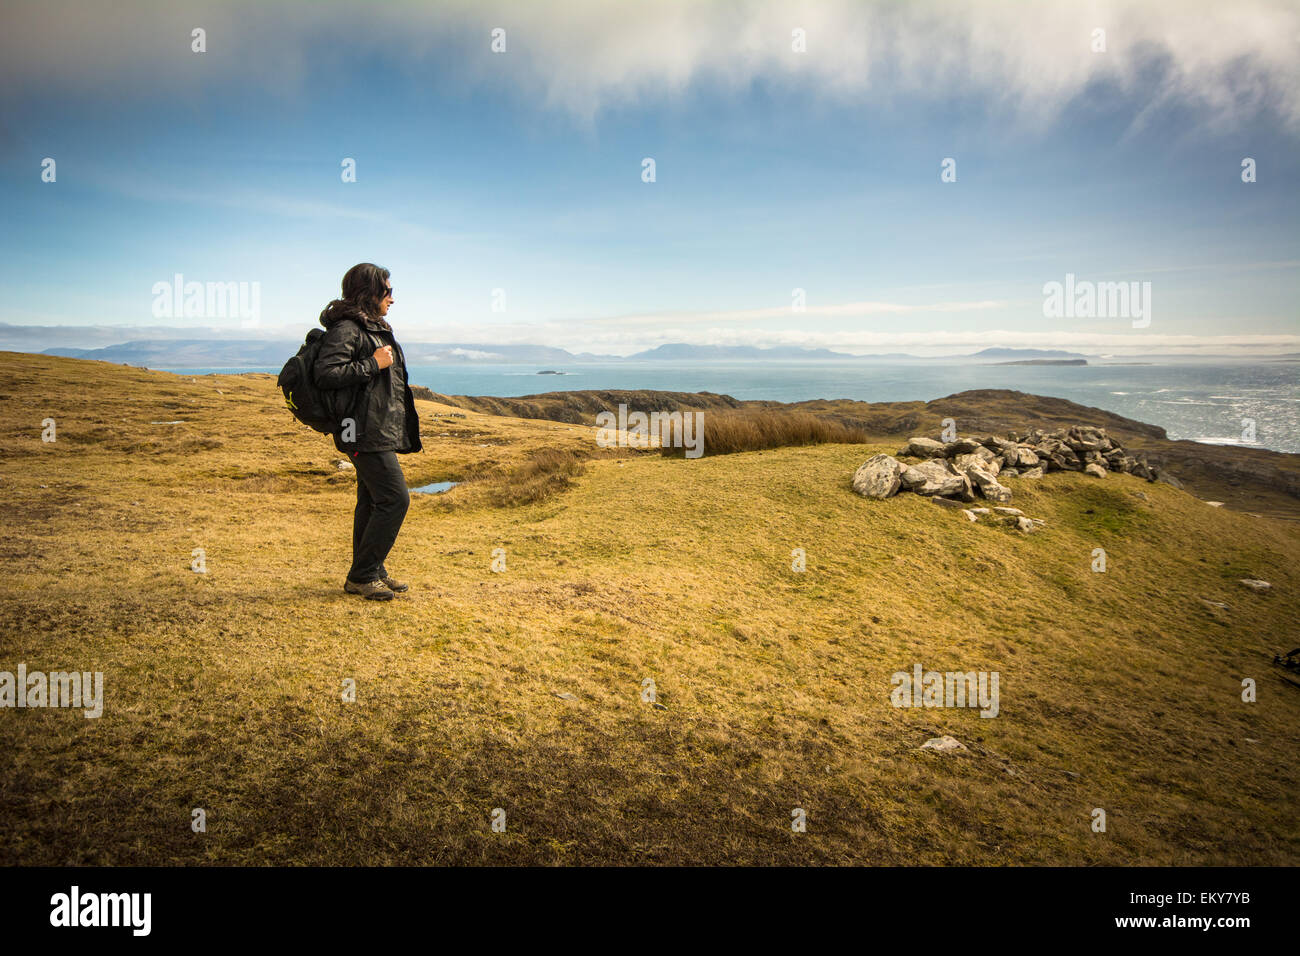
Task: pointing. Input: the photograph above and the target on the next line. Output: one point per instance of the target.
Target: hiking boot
(394, 585)
(370, 590)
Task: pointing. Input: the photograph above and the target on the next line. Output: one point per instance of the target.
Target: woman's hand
(384, 356)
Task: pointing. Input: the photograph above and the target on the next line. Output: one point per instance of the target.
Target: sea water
(1209, 403)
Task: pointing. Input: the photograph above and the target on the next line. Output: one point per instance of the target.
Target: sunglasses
(388, 292)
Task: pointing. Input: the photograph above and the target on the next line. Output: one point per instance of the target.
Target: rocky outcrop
(936, 477)
(960, 471)
(923, 448)
(878, 477)
(944, 745)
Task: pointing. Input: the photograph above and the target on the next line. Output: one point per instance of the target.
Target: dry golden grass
(728, 432)
(224, 689)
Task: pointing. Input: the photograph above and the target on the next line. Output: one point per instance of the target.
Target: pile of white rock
(968, 468)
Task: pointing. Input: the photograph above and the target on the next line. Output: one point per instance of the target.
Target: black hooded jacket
(378, 401)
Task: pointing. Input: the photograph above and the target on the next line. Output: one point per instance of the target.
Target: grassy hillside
(1118, 690)
(1256, 480)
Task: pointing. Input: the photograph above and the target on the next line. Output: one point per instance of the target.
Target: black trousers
(382, 500)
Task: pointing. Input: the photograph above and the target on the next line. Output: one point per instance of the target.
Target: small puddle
(437, 488)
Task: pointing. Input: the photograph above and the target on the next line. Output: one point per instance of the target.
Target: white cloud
(835, 310)
(1225, 60)
(475, 354)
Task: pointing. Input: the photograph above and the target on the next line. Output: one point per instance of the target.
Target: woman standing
(362, 364)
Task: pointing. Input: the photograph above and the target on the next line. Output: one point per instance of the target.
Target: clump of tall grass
(543, 473)
(726, 432)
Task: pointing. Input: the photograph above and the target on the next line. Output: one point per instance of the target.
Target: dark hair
(364, 286)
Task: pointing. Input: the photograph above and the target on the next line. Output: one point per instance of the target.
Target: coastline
(1191, 402)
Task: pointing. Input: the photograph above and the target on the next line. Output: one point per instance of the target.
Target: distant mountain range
(170, 347)
(188, 353)
(222, 353)
(225, 353)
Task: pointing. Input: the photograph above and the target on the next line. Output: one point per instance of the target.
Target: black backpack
(297, 380)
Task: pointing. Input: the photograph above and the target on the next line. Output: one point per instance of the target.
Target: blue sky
(775, 170)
